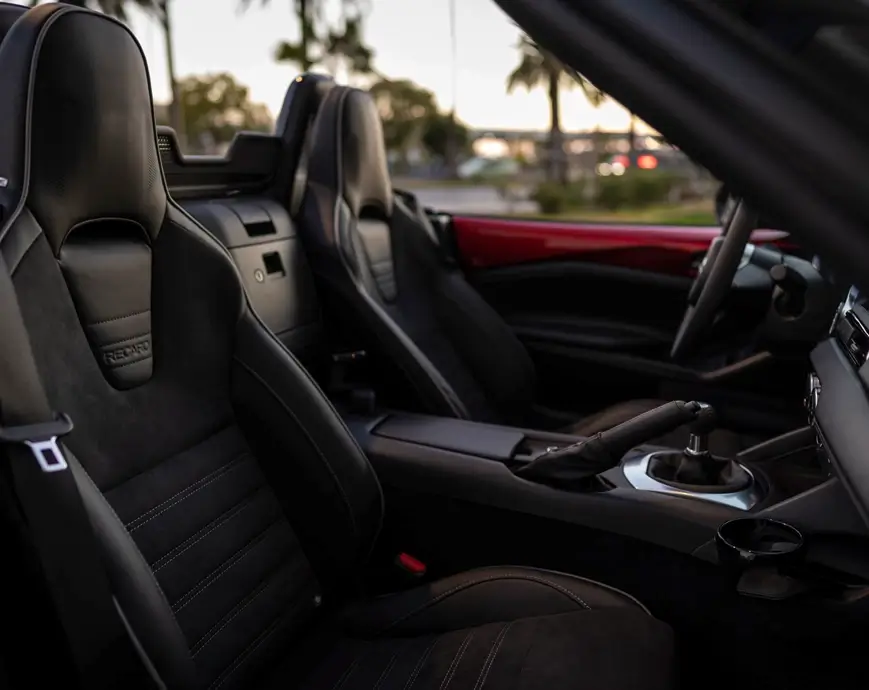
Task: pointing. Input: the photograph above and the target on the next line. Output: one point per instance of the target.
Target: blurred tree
(176, 108)
(324, 45)
(445, 137)
(348, 46)
(538, 67)
(405, 108)
(215, 107)
(159, 9)
(309, 13)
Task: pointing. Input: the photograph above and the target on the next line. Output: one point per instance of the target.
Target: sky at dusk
(410, 39)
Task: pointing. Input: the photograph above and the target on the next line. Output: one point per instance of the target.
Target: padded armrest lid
(468, 438)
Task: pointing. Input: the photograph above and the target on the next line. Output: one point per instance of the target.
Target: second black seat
(380, 262)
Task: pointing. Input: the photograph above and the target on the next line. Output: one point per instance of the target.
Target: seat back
(9, 14)
(228, 497)
(379, 258)
(295, 120)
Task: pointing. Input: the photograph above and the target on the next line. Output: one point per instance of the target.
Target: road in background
(461, 199)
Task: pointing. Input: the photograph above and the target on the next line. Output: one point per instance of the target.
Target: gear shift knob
(700, 428)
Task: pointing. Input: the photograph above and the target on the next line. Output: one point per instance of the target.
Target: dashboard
(838, 398)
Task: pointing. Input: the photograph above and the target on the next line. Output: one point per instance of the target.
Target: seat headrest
(9, 14)
(301, 103)
(78, 140)
(294, 125)
(348, 152)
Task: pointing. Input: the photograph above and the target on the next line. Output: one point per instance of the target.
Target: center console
(646, 495)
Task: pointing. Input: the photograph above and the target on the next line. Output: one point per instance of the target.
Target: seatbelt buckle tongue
(42, 441)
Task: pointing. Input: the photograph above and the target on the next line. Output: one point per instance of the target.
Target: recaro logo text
(124, 354)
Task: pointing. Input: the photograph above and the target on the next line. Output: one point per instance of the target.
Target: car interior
(266, 421)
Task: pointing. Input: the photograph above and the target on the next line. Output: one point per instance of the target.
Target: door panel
(597, 305)
(571, 315)
(587, 304)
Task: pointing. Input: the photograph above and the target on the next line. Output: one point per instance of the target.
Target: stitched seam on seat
(215, 629)
(196, 486)
(203, 642)
(602, 585)
(457, 659)
(349, 670)
(255, 644)
(528, 648)
(223, 568)
(467, 585)
(385, 672)
(490, 659)
(219, 521)
(419, 664)
(198, 442)
(150, 572)
(119, 318)
(147, 334)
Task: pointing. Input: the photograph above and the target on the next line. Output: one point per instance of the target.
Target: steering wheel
(714, 278)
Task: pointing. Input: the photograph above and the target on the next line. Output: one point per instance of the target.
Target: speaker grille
(164, 145)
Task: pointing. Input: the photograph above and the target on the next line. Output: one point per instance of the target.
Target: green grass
(410, 184)
(686, 214)
(692, 213)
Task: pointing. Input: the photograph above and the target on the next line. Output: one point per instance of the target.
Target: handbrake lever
(571, 466)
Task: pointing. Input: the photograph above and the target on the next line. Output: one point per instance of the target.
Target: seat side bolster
(322, 475)
(139, 595)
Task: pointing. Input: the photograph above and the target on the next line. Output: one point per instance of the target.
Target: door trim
(486, 242)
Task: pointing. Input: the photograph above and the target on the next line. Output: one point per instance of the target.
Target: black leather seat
(234, 508)
(379, 259)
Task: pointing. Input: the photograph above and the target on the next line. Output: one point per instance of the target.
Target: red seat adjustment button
(410, 564)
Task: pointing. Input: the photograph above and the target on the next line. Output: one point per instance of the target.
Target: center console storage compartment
(470, 438)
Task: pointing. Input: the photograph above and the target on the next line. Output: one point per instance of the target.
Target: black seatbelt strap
(439, 229)
(54, 513)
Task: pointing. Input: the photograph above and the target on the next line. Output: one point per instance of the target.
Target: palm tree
(308, 13)
(348, 46)
(539, 67)
(316, 43)
(160, 10)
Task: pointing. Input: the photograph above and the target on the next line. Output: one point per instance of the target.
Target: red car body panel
(672, 250)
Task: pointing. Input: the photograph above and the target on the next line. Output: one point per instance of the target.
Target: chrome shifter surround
(636, 471)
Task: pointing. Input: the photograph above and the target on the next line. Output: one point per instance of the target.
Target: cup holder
(748, 542)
